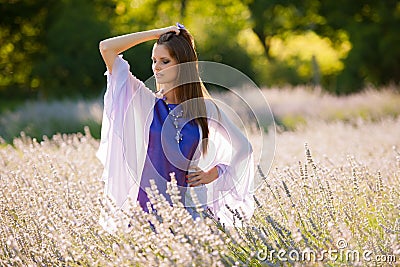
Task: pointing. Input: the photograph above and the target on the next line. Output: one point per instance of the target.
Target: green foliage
(49, 48)
(290, 123)
(370, 26)
(72, 63)
(215, 30)
(373, 28)
(218, 40)
(22, 24)
(282, 18)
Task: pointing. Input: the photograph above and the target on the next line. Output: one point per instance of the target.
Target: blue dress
(165, 154)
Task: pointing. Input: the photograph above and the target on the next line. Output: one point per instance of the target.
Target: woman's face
(162, 66)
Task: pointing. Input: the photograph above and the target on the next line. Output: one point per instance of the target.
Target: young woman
(147, 136)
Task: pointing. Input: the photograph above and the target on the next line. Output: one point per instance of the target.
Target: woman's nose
(157, 66)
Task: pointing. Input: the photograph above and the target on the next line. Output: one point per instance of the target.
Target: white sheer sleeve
(127, 106)
(228, 146)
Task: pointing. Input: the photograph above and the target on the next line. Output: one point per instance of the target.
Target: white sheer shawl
(127, 116)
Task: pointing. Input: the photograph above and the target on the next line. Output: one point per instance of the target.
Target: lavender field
(331, 197)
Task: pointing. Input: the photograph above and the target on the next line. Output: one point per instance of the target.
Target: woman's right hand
(161, 31)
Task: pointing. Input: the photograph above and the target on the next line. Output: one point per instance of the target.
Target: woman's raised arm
(110, 48)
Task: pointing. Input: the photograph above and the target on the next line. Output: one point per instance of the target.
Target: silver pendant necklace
(175, 122)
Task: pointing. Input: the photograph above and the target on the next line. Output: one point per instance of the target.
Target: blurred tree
(50, 47)
(215, 29)
(374, 31)
(22, 25)
(282, 18)
(217, 33)
(71, 62)
(294, 53)
(132, 16)
(371, 27)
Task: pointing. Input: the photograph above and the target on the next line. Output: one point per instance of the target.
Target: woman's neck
(170, 97)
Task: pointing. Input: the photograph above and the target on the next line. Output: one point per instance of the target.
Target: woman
(177, 130)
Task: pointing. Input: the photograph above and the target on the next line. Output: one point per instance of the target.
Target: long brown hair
(189, 86)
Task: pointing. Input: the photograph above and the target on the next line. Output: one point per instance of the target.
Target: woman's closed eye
(163, 61)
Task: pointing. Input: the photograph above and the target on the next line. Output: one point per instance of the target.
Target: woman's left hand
(200, 177)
